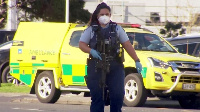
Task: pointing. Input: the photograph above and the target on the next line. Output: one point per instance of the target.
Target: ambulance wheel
(6, 77)
(45, 89)
(135, 93)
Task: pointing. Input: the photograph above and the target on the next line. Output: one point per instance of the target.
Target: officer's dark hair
(96, 12)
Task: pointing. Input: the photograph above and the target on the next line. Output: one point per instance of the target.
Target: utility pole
(165, 10)
(67, 12)
(123, 11)
(12, 15)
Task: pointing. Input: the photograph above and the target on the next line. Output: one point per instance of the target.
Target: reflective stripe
(144, 72)
(67, 69)
(38, 64)
(14, 64)
(74, 74)
(26, 78)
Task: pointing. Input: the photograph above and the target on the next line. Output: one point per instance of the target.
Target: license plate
(189, 86)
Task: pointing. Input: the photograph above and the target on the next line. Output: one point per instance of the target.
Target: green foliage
(3, 13)
(11, 88)
(77, 14)
(47, 10)
(172, 29)
(54, 10)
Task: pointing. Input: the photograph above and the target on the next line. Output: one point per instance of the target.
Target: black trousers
(114, 82)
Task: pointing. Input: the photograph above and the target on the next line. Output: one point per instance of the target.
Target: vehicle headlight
(158, 63)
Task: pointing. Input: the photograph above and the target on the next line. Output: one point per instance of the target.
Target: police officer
(115, 78)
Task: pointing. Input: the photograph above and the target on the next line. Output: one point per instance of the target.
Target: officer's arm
(130, 50)
(84, 47)
(85, 39)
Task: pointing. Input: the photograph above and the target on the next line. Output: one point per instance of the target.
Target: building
(154, 13)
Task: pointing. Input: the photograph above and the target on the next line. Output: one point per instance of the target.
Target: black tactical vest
(109, 35)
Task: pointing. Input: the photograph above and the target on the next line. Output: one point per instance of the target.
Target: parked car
(4, 62)
(187, 44)
(6, 37)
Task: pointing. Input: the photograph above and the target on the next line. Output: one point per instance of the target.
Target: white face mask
(104, 19)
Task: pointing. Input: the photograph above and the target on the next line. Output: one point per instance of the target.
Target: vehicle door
(73, 60)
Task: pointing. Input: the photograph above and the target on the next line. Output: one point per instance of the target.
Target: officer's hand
(95, 54)
(138, 66)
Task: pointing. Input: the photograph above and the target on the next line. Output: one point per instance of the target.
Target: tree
(50, 11)
(54, 10)
(3, 13)
(77, 13)
(172, 29)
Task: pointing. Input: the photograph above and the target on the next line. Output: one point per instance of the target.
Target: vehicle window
(197, 50)
(74, 40)
(5, 37)
(1, 37)
(182, 48)
(144, 41)
(190, 49)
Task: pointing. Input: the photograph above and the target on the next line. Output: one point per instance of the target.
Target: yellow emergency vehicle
(46, 57)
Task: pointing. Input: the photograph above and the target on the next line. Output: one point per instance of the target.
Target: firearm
(103, 46)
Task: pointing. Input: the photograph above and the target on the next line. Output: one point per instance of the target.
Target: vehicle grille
(187, 79)
(188, 69)
(185, 66)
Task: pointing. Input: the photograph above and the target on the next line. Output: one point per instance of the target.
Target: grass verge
(12, 88)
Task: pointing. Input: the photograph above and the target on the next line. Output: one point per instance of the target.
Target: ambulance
(46, 57)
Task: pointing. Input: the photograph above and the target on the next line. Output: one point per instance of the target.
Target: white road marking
(26, 109)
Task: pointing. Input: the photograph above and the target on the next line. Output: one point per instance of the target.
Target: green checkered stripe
(75, 73)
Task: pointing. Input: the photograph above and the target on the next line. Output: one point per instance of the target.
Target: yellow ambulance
(46, 57)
